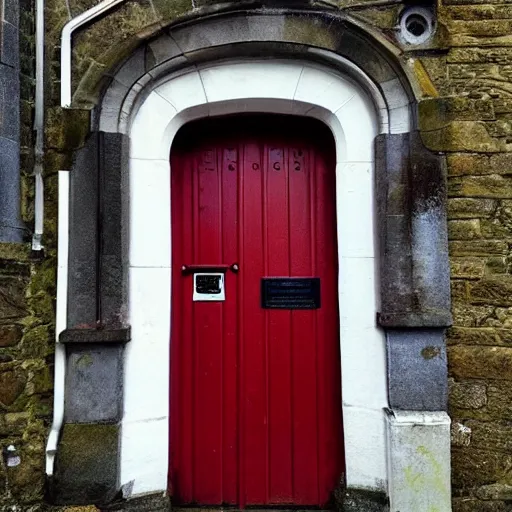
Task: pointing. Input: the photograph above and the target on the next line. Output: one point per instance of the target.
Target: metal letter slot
(209, 287)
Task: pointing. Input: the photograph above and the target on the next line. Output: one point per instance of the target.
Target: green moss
(169, 11)
(65, 128)
(123, 29)
(307, 29)
(36, 342)
(44, 277)
(87, 462)
(14, 252)
(42, 307)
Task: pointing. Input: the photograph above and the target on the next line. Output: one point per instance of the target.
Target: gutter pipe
(39, 130)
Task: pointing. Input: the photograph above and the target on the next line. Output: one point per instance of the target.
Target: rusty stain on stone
(430, 352)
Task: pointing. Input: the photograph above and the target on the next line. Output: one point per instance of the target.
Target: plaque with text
(290, 292)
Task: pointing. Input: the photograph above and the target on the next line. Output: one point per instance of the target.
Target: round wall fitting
(416, 25)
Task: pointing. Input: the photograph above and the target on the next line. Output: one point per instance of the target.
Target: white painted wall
(287, 87)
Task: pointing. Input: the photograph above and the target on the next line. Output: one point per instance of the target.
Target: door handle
(192, 269)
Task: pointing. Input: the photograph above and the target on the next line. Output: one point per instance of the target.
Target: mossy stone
(480, 362)
(12, 384)
(10, 335)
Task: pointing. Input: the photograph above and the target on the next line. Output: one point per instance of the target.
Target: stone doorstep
(162, 503)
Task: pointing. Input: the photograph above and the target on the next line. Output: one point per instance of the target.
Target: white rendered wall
(287, 87)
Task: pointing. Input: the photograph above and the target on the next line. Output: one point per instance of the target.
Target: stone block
(169, 11)
(437, 113)
(480, 28)
(501, 164)
(465, 315)
(491, 435)
(492, 186)
(9, 44)
(86, 465)
(472, 467)
(419, 461)
(499, 400)
(83, 243)
(495, 492)
(471, 136)
(417, 369)
(459, 290)
(464, 229)
(475, 505)
(467, 268)
(10, 335)
(13, 423)
(474, 55)
(480, 362)
(496, 265)
(496, 228)
(480, 12)
(467, 394)
(15, 252)
(37, 342)
(495, 290)
(13, 302)
(470, 208)
(66, 128)
(498, 406)
(468, 163)
(479, 336)
(478, 247)
(94, 384)
(11, 11)
(10, 117)
(502, 318)
(413, 234)
(114, 241)
(354, 500)
(12, 384)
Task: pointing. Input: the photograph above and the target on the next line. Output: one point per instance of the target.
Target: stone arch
(409, 193)
(286, 87)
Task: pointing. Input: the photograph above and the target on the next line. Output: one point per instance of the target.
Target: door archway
(257, 86)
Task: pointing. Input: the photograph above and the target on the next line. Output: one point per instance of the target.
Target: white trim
(61, 321)
(289, 87)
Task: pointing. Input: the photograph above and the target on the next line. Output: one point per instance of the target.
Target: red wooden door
(255, 392)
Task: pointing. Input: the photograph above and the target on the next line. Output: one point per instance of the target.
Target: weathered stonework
(476, 67)
(465, 79)
(26, 385)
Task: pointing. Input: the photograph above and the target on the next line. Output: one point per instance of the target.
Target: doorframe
(414, 288)
(285, 87)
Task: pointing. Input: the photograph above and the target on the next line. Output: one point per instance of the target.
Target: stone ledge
(96, 336)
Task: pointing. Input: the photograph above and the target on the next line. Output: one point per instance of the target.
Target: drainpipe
(62, 304)
(11, 225)
(39, 131)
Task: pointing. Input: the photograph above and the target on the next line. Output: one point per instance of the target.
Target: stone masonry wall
(27, 296)
(476, 131)
(470, 65)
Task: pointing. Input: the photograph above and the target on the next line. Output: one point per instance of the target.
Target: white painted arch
(286, 87)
